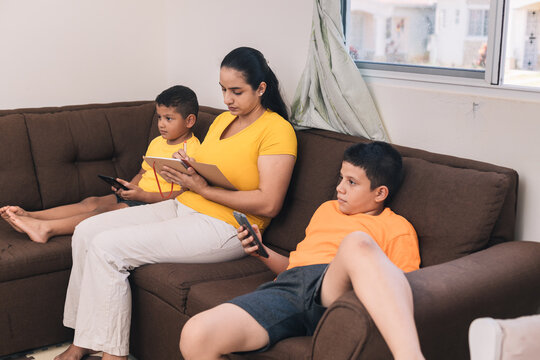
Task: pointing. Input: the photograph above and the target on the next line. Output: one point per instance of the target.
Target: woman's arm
(275, 173)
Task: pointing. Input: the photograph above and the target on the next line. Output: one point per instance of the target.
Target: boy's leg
(222, 330)
(40, 230)
(64, 211)
(382, 287)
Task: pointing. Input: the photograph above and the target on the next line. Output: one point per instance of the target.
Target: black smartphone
(243, 221)
(112, 181)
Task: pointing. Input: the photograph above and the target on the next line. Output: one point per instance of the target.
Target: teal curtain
(332, 94)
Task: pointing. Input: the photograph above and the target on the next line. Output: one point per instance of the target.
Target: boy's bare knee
(193, 338)
(357, 241)
(91, 202)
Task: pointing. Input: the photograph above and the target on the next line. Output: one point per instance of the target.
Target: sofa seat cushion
(453, 210)
(173, 282)
(21, 258)
(206, 295)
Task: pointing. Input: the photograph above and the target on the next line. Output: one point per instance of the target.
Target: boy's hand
(134, 192)
(181, 154)
(249, 245)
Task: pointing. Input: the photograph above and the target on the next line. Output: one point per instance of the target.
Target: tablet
(209, 172)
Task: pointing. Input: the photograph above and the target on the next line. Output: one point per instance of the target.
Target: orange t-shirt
(328, 226)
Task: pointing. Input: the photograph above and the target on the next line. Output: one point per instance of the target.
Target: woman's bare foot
(37, 230)
(113, 357)
(74, 352)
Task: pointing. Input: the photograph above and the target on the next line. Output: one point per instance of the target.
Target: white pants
(105, 247)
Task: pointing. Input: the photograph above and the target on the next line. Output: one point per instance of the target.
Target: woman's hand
(192, 180)
(249, 245)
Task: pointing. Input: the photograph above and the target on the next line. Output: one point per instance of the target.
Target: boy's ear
(190, 120)
(381, 193)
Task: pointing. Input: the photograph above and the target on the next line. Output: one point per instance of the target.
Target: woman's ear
(261, 89)
(381, 193)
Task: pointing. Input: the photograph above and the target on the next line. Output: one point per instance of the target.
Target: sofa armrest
(502, 282)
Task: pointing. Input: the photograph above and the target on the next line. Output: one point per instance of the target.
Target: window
(495, 40)
(522, 60)
(478, 22)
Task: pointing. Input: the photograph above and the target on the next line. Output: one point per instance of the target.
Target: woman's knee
(108, 245)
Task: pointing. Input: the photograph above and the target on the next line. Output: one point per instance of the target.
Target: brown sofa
(464, 212)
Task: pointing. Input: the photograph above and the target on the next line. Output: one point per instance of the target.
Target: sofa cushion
(71, 147)
(453, 210)
(206, 295)
(173, 282)
(19, 184)
(21, 258)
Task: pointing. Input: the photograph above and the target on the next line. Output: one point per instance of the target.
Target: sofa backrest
(52, 156)
(457, 206)
(68, 146)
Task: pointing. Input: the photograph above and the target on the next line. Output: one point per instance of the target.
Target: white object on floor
(485, 339)
(513, 339)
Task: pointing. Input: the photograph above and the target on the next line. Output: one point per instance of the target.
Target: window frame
(492, 73)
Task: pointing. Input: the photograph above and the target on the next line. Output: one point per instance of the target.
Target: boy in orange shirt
(352, 243)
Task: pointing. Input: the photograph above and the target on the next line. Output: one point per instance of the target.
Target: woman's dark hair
(182, 98)
(381, 162)
(252, 64)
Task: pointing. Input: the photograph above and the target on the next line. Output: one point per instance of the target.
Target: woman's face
(238, 95)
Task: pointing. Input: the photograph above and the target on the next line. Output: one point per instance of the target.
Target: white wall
(62, 52)
(207, 30)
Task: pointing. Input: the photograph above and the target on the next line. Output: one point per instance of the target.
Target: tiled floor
(49, 353)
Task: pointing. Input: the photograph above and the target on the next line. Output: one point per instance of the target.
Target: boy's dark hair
(182, 98)
(381, 162)
(253, 65)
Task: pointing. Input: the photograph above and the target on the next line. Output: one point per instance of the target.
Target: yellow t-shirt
(328, 226)
(159, 147)
(236, 157)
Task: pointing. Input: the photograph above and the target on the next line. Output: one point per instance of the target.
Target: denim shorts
(288, 306)
(129, 203)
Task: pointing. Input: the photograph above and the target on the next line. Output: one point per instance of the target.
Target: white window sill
(476, 86)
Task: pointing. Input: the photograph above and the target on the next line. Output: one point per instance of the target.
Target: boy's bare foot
(74, 352)
(14, 209)
(37, 230)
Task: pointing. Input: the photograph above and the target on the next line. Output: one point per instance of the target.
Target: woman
(252, 144)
